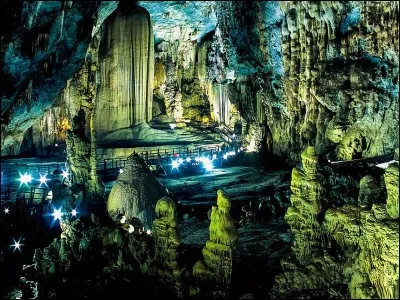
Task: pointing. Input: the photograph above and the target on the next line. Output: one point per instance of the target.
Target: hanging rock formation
(219, 249)
(135, 193)
(126, 71)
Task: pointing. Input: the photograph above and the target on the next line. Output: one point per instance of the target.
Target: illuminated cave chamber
(126, 71)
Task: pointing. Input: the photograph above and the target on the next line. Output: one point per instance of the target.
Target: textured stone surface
(126, 71)
(135, 193)
(306, 205)
(219, 249)
(392, 187)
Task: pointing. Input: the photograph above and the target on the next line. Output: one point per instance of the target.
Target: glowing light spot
(233, 135)
(175, 164)
(197, 159)
(225, 156)
(131, 228)
(65, 174)
(214, 156)
(252, 146)
(208, 164)
(188, 159)
(74, 212)
(148, 231)
(43, 179)
(172, 125)
(241, 148)
(57, 214)
(17, 245)
(56, 145)
(6, 210)
(121, 171)
(25, 179)
(180, 161)
(123, 219)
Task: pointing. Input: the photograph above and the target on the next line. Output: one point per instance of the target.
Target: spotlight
(6, 210)
(225, 156)
(180, 161)
(74, 212)
(121, 171)
(17, 245)
(43, 179)
(56, 145)
(65, 174)
(175, 164)
(214, 156)
(148, 231)
(208, 164)
(57, 214)
(188, 159)
(25, 179)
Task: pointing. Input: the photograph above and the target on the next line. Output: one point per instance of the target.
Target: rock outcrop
(135, 193)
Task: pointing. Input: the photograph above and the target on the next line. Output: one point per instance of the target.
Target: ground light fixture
(17, 245)
(25, 179)
(175, 164)
(57, 214)
(43, 179)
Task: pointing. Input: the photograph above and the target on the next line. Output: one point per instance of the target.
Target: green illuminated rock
(167, 241)
(218, 252)
(392, 187)
(306, 205)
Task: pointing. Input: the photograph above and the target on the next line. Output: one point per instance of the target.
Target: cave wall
(326, 73)
(292, 74)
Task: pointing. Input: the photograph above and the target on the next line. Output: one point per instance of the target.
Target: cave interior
(199, 149)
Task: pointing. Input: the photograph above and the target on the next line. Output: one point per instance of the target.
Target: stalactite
(127, 71)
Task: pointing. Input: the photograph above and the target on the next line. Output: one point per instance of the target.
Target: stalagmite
(218, 252)
(126, 70)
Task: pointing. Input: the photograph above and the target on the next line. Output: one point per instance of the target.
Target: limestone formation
(218, 252)
(369, 191)
(81, 155)
(167, 241)
(306, 205)
(392, 187)
(135, 193)
(126, 70)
